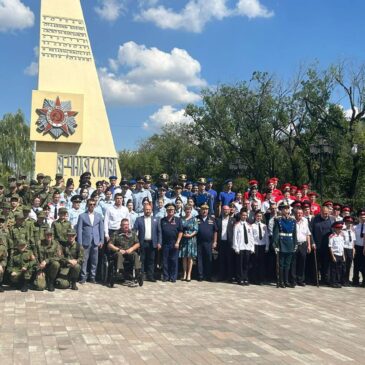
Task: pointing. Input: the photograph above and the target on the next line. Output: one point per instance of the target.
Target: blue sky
(159, 53)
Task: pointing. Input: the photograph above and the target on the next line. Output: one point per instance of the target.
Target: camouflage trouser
(20, 276)
(133, 258)
(67, 275)
(2, 275)
(51, 270)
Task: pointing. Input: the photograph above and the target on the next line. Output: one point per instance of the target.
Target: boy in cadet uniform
(336, 247)
(48, 254)
(285, 243)
(349, 249)
(71, 262)
(61, 226)
(243, 245)
(3, 258)
(21, 266)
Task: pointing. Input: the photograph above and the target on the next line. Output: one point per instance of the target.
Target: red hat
(271, 181)
(338, 224)
(304, 186)
(253, 182)
(336, 206)
(298, 191)
(312, 193)
(293, 187)
(296, 204)
(361, 212)
(348, 219)
(306, 204)
(285, 186)
(346, 208)
(327, 203)
(275, 179)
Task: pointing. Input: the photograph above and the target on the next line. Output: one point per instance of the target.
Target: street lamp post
(321, 149)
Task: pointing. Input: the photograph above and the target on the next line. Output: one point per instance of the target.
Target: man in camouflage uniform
(2, 192)
(71, 262)
(15, 206)
(61, 226)
(123, 246)
(9, 222)
(21, 266)
(45, 194)
(3, 227)
(3, 258)
(40, 226)
(48, 254)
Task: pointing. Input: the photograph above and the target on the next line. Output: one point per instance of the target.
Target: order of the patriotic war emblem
(56, 118)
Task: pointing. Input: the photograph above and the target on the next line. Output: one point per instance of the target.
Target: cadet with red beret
(349, 249)
(336, 245)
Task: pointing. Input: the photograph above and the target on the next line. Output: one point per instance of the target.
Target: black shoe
(92, 281)
(50, 287)
(290, 285)
(241, 282)
(247, 283)
(282, 285)
(335, 285)
(24, 288)
(74, 286)
(140, 280)
(164, 280)
(172, 280)
(1, 289)
(301, 284)
(200, 279)
(152, 280)
(188, 280)
(82, 281)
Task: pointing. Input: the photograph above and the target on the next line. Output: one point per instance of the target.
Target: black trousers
(323, 258)
(148, 259)
(359, 264)
(259, 264)
(270, 264)
(346, 267)
(336, 270)
(226, 260)
(242, 265)
(205, 258)
(297, 269)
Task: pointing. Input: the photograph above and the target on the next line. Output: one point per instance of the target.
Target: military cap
(132, 182)
(113, 177)
(170, 205)
(124, 182)
(210, 180)
(11, 178)
(59, 176)
(20, 182)
(306, 203)
(147, 178)
(40, 174)
(304, 187)
(85, 185)
(19, 215)
(285, 186)
(283, 205)
(164, 177)
(361, 212)
(270, 181)
(177, 186)
(14, 197)
(293, 187)
(62, 211)
(202, 180)
(99, 183)
(312, 193)
(336, 206)
(296, 204)
(162, 187)
(183, 177)
(41, 214)
(47, 179)
(327, 203)
(338, 224)
(275, 179)
(1, 185)
(48, 231)
(6, 205)
(188, 182)
(2, 218)
(76, 198)
(204, 206)
(253, 183)
(348, 219)
(22, 176)
(71, 232)
(346, 208)
(228, 181)
(145, 199)
(140, 180)
(22, 242)
(85, 174)
(26, 208)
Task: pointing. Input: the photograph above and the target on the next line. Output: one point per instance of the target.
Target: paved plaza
(185, 323)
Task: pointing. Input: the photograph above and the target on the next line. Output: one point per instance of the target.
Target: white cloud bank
(110, 10)
(167, 115)
(14, 15)
(32, 69)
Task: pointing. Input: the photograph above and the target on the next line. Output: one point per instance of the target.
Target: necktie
(362, 230)
(55, 212)
(350, 238)
(245, 233)
(260, 232)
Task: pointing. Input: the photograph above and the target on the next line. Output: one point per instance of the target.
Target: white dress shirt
(303, 230)
(256, 234)
(224, 228)
(359, 239)
(148, 228)
(239, 243)
(91, 217)
(113, 217)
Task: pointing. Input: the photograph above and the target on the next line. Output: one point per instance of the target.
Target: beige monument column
(69, 122)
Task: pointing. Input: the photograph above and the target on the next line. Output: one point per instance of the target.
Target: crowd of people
(55, 236)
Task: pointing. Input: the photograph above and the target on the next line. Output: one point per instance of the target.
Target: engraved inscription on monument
(64, 38)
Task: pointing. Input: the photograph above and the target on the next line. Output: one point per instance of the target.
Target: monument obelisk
(69, 122)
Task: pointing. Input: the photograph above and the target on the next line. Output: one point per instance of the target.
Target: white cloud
(110, 10)
(168, 114)
(151, 76)
(197, 13)
(14, 15)
(253, 9)
(32, 69)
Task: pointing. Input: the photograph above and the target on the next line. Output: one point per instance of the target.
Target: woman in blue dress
(188, 248)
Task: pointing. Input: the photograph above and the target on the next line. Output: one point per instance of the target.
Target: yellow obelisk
(69, 122)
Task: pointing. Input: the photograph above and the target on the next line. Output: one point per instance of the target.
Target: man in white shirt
(114, 215)
(297, 268)
(359, 259)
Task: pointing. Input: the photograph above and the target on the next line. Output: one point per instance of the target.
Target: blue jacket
(140, 228)
(87, 233)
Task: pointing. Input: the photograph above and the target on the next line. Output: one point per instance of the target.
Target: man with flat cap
(203, 197)
(75, 211)
(138, 195)
(171, 232)
(285, 242)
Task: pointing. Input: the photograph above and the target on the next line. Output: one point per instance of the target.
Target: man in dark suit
(90, 234)
(225, 225)
(148, 229)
